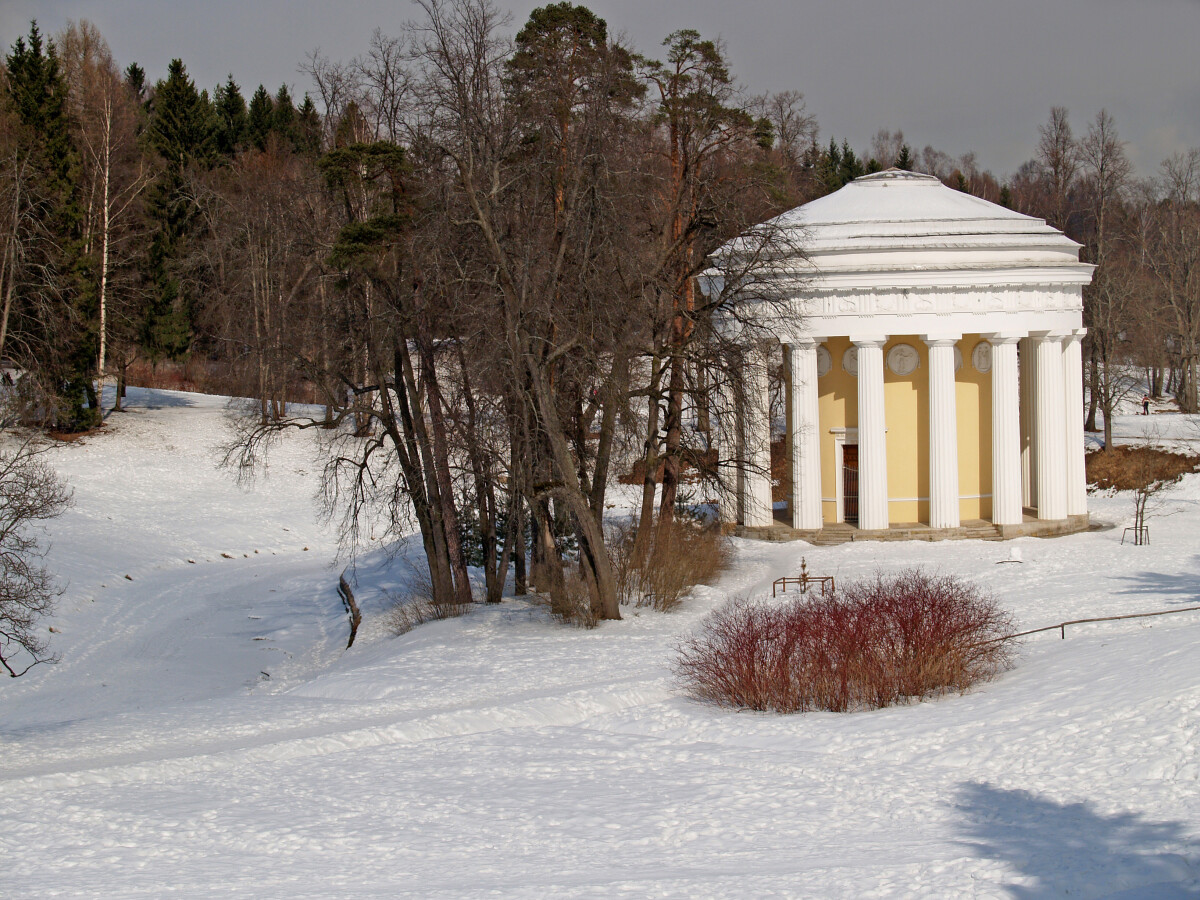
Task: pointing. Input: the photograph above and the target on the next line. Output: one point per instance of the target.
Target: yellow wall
(974, 395)
(906, 406)
(838, 401)
(907, 410)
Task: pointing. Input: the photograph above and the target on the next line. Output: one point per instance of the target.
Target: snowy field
(206, 735)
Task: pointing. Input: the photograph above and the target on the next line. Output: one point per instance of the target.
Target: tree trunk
(592, 548)
(8, 297)
(418, 468)
(515, 544)
(649, 461)
(120, 392)
(616, 387)
(106, 228)
(1093, 389)
(674, 441)
(441, 471)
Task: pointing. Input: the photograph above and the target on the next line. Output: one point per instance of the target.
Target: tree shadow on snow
(1180, 589)
(1068, 849)
(146, 398)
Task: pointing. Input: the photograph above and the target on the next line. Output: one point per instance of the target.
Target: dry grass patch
(660, 572)
(575, 605)
(415, 606)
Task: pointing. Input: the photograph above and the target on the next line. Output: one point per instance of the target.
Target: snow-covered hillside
(205, 733)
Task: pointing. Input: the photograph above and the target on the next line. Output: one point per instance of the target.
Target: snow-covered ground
(205, 734)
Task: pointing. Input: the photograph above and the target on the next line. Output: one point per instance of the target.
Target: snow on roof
(895, 195)
(904, 221)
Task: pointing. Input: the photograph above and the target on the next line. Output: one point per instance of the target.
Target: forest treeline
(470, 259)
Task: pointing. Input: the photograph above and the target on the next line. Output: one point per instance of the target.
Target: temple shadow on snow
(1069, 849)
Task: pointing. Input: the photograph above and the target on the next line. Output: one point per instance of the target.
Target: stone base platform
(969, 530)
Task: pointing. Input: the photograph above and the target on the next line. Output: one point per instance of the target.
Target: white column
(1028, 421)
(1050, 456)
(1006, 432)
(1073, 418)
(725, 424)
(872, 435)
(943, 433)
(756, 501)
(804, 434)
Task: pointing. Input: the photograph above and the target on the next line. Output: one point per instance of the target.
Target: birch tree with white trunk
(115, 171)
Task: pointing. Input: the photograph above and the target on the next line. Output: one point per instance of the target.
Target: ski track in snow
(503, 755)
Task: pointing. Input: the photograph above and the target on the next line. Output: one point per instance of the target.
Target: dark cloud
(958, 74)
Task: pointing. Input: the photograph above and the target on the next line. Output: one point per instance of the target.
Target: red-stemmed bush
(876, 642)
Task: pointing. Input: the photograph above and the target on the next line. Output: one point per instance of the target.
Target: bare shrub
(681, 554)
(875, 643)
(415, 606)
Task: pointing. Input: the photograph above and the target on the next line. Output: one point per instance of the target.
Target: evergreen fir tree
(181, 122)
(135, 80)
(183, 131)
(851, 167)
(38, 92)
(230, 108)
(308, 127)
(1006, 197)
(260, 119)
(904, 160)
(53, 318)
(283, 118)
(829, 166)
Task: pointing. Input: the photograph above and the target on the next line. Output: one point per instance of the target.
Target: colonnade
(1037, 431)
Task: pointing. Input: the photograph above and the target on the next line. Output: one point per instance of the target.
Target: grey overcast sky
(961, 75)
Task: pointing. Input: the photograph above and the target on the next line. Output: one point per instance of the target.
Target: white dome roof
(897, 210)
(899, 196)
(899, 252)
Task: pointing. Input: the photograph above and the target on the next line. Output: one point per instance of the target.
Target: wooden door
(850, 484)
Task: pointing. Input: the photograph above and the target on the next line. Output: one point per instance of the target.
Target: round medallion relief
(981, 357)
(903, 359)
(824, 362)
(958, 360)
(850, 361)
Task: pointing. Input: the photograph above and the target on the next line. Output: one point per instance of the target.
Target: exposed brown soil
(1129, 468)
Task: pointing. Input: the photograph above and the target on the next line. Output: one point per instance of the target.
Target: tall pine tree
(183, 131)
(283, 118)
(308, 128)
(48, 319)
(230, 107)
(260, 118)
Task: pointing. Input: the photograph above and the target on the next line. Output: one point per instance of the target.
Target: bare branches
(30, 493)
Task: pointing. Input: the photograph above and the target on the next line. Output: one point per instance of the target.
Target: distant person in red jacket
(1145, 405)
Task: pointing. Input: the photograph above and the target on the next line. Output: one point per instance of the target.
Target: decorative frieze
(941, 300)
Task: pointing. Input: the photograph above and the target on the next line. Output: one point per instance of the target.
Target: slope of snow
(206, 733)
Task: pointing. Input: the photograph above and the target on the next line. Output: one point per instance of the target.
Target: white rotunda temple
(933, 370)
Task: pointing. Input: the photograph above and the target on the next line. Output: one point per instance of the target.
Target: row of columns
(1037, 432)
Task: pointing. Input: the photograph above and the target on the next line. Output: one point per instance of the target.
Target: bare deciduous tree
(1058, 156)
(1172, 256)
(30, 494)
(1108, 299)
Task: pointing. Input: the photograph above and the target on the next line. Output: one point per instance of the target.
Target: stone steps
(971, 530)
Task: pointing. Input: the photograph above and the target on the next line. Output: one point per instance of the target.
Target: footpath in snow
(207, 734)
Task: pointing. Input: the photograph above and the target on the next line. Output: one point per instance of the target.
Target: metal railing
(804, 581)
(1062, 626)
